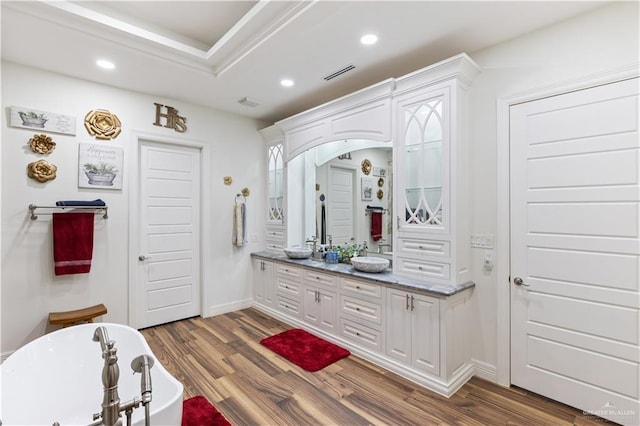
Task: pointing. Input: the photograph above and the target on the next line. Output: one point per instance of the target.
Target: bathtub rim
(157, 364)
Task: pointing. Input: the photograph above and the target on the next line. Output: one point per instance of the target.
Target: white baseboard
(486, 371)
(228, 307)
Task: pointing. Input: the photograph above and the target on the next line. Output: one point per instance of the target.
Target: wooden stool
(71, 317)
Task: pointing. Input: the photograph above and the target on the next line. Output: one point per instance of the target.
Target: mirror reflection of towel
(238, 237)
(376, 225)
(72, 242)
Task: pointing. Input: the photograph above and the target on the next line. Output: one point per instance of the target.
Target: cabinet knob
(357, 309)
(357, 287)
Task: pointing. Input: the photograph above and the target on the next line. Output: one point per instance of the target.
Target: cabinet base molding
(445, 388)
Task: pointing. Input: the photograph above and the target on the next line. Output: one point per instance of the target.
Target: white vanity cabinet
(361, 311)
(320, 299)
(263, 281)
(288, 285)
(275, 230)
(431, 237)
(413, 334)
(419, 333)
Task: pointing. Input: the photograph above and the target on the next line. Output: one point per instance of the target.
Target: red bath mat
(197, 411)
(304, 349)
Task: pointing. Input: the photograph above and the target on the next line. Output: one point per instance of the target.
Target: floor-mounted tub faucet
(111, 407)
(110, 375)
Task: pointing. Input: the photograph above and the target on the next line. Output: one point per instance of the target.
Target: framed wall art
(100, 166)
(28, 118)
(367, 189)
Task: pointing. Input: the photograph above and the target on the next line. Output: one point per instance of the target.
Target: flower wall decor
(42, 171)
(42, 144)
(366, 166)
(102, 124)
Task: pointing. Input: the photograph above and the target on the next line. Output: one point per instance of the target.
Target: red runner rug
(197, 411)
(304, 349)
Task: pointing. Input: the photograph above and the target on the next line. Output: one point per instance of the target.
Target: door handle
(142, 258)
(518, 281)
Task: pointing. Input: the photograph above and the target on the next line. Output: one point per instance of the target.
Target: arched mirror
(348, 195)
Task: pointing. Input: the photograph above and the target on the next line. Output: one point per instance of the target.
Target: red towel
(72, 242)
(376, 226)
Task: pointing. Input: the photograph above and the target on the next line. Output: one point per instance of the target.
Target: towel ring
(242, 198)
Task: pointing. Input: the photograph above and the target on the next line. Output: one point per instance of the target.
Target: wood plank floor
(221, 358)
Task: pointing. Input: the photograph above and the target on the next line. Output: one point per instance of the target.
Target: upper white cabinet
(275, 231)
(424, 115)
(365, 114)
(431, 239)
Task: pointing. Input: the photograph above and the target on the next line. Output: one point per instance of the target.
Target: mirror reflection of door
(340, 205)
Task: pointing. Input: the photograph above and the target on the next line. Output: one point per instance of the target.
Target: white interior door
(340, 205)
(575, 323)
(169, 261)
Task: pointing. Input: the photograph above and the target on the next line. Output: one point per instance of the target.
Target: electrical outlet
(482, 241)
(488, 259)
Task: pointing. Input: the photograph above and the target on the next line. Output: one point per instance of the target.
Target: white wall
(589, 44)
(29, 288)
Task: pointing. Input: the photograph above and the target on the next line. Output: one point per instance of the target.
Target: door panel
(169, 267)
(340, 204)
(575, 219)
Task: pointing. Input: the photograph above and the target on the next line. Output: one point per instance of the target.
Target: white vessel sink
(370, 264)
(298, 252)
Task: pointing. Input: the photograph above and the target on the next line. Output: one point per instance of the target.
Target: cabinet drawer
(288, 287)
(286, 270)
(424, 247)
(274, 245)
(274, 234)
(313, 277)
(361, 335)
(361, 309)
(361, 288)
(288, 306)
(423, 268)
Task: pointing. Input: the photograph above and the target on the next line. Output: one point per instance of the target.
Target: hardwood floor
(221, 358)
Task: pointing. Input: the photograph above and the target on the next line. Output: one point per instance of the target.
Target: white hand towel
(239, 225)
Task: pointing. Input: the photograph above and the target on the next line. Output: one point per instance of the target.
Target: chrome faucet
(314, 240)
(365, 247)
(111, 407)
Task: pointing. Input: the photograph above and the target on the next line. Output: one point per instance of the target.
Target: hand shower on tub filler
(111, 407)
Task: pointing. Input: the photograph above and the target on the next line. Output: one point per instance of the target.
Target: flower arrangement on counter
(347, 251)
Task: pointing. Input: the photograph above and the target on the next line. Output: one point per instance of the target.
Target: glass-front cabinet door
(275, 190)
(423, 163)
(422, 240)
(422, 158)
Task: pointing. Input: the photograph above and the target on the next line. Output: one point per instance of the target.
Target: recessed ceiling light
(369, 39)
(107, 65)
(286, 82)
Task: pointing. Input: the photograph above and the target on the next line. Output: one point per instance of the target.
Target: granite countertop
(385, 277)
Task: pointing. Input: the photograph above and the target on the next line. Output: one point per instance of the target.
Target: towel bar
(33, 207)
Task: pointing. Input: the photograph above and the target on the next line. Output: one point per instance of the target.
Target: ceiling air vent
(339, 72)
(249, 102)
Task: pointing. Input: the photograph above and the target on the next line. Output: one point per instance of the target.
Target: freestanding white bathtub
(58, 378)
